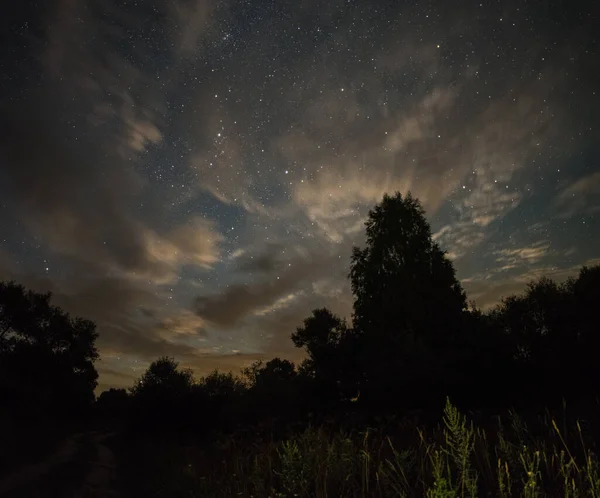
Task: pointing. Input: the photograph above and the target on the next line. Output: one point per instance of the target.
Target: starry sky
(192, 174)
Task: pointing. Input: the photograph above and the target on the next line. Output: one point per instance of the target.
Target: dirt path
(82, 467)
(100, 479)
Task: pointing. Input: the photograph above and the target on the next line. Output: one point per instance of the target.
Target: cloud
(496, 146)
(582, 195)
(75, 209)
(79, 206)
(194, 243)
(238, 301)
(83, 54)
(267, 261)
(192, 21)
(278, 325)
(340, 187)
(337, 203)
(438, 145)
(522, 256)
(79, 212)
(184, 323)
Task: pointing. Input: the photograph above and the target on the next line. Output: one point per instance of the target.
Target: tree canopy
(402, 281)
(408, 304)
(46, 356)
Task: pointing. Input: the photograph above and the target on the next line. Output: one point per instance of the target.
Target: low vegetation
(547, 455)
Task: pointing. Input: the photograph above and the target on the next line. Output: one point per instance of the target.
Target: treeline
(412, 342)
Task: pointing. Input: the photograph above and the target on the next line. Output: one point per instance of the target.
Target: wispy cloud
(582, 196)
(522, 256)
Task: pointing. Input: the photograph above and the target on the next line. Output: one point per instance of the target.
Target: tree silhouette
(113, 404)
(408, 306)
(162, 398)
(540, 322)
(332, 355)
(273, 390)
(275, 373)
(585, 291)
(222, 396)
(163, 377)
(113, 399)
(221, 385)
(320, 335)
(46, 356)
(553, 331)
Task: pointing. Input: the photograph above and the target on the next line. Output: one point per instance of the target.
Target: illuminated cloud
(582, 196)
(522, 256)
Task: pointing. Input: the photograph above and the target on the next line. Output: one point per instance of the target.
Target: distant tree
(113, 403)
(332, 354)
(541, 322)
(46, 356)
(221, 385)
(320, 334)
(250, 373)
(273, 390)
(554, 333)
(163, 378)
(222, 397)
(164, 400)
(585, 290)
(113, 397)
(275, 374)
(408, 306)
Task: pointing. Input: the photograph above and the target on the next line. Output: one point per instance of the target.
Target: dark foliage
(113, 404)
(409, 307)
(47, 374)
(46, 356)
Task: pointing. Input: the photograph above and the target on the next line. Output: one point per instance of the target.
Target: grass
(546, 455)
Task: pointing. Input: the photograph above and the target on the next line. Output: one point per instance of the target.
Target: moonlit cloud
(582, 195)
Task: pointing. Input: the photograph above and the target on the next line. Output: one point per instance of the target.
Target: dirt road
(82, 467)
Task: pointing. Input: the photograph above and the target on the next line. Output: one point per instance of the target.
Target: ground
(82, 467)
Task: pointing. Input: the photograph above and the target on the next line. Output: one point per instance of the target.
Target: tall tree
(408, 303)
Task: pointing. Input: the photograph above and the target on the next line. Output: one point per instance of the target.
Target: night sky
(192, 174)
